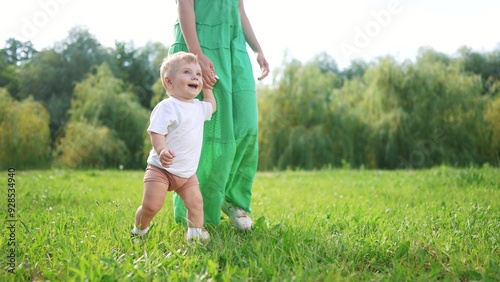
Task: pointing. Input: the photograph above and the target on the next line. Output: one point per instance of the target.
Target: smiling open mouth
(192, 85)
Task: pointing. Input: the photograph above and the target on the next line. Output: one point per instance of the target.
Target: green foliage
(486, 65)
(8, 77)
(492, 115)
(381, 104)
(46, 78)
(439, 109)
(439, 224)
(423, 114)
(429, 55)
(292, 129)
(136, 69)
(24, 133)
(81, 51)
(16, 52)
(159, 93)
(14, 55)
(347, 126)
(100, 101)
(390, 115)
(51, 74)
(325, 63)
(90, 146)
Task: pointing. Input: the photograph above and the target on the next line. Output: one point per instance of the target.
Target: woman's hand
(264, 66)
(208, 71)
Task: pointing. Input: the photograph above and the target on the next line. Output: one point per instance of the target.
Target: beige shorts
(173, 182)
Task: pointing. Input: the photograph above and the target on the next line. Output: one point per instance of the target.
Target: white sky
(344, 29)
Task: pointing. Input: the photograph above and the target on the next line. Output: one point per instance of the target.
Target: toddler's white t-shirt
(182, 123)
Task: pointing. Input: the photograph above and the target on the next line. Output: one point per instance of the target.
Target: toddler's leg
(193, 201)
(152, 202)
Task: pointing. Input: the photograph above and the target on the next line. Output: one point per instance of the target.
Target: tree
(135, 68)
(47, 80)
(383, 103)
(325, 63)
(356, 69)
(8, 78)
(347, 125)
(16, 52)
(12, 57)
(159, 93)
(393, 115)
(492, 132)
(90, 146)
(82, 52)
(292, 132)
(24, 133)
(100, 101)
(485, 65)
(429, 55)
(51, 74)
(423, 114)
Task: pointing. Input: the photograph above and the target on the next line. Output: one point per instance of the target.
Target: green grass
(331, 225)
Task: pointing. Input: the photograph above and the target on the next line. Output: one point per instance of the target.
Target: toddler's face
(187, 82)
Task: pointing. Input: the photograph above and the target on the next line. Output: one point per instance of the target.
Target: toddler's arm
(165, 155)
(208, 96)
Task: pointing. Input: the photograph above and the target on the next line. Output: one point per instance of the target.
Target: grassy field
(331, 225)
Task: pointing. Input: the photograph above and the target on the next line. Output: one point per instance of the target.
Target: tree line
(435, 110)
(81, 105)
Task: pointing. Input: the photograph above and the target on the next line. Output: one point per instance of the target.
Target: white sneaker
(202, 236)
(239, 217)
(137, 237)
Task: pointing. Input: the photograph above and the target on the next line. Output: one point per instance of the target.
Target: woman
(217, 31)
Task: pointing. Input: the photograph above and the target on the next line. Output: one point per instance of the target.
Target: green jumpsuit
(230, 148)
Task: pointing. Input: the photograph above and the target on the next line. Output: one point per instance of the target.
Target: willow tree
(24, 133)
(347, 125)
(90, 146)
(292, 130)
(381, 103)
(492, 132)
(390, 115)
(422, 114)
(100, 101)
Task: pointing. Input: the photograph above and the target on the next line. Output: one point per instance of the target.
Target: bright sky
(344, 29)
